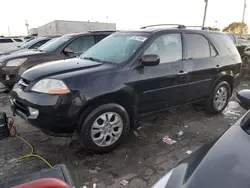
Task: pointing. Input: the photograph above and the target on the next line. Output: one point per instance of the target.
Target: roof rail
(196, 26)
(96, 31)
(156, 25)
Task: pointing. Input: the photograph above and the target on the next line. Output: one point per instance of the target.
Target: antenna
(27, 26)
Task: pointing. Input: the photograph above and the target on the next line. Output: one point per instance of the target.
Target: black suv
(67, 46)
(128, 74)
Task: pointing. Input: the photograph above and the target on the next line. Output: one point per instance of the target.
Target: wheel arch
(125, 99)
(227, 78)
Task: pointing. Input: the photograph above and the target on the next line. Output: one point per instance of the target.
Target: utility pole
(243, 17)
(107, 22)
(27, 26)
(205, 13)
(9, 31)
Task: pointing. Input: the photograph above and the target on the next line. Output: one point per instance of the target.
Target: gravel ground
(141, 160)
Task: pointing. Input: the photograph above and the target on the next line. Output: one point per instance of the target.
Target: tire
(104, 129)
(213, 107)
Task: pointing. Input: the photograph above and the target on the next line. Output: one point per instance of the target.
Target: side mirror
(150, 60)
(68, 51)
(243, 98)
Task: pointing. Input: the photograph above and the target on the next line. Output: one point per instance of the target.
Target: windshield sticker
(138, 38)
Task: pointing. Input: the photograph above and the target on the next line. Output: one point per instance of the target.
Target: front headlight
(163, 181)
(15, 62)
(50, 86)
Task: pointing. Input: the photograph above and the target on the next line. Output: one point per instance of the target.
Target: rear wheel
(104, 128)
(218, 99)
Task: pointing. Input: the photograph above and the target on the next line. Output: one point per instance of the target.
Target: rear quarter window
(223, 44)
(232, 38)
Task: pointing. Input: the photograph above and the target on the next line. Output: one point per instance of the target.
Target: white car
(10, 42)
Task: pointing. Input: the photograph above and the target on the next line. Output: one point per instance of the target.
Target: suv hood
(223, 163)
(22, 54)
(58, 67)
(9, 50)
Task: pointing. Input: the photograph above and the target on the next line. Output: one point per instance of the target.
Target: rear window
(18, 40)
(5, 41)
(224, 44)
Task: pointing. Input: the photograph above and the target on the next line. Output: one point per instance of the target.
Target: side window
(100, 37)
(6, 41)
(82, 44)
(18, 40)
(38, 44)
(197, 46)
(168, 47)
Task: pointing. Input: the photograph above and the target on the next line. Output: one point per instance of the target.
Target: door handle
(181, 72)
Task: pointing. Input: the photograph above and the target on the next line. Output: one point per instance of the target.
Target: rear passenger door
(201, 65)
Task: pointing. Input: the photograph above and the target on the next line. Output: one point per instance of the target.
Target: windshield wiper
(93, 59)
(37, 49)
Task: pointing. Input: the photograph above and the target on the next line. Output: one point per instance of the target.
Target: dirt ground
(141, 160)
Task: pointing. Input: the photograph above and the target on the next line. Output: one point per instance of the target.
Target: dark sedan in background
(67, 46)
(33, 44)
(223, 163)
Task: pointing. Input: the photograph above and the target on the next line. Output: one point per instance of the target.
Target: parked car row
(33, 44)
(100, 93)
(67, 46)
(10, 42)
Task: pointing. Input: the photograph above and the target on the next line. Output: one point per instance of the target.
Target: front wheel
(218, 99)
(104, 128)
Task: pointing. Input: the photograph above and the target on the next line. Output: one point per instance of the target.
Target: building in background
(62, 27)
(33, 31)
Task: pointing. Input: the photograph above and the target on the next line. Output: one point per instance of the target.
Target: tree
(235, 28)
(213, 29)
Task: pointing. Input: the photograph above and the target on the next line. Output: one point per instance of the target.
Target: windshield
(116, 48)
(30, 43)
(54, 44)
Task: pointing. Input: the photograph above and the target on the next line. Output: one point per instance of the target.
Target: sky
(127, 14)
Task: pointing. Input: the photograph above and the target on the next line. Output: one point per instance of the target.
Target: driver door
(165, 85)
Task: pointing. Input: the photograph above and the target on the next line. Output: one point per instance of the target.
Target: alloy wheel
(220, 98)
